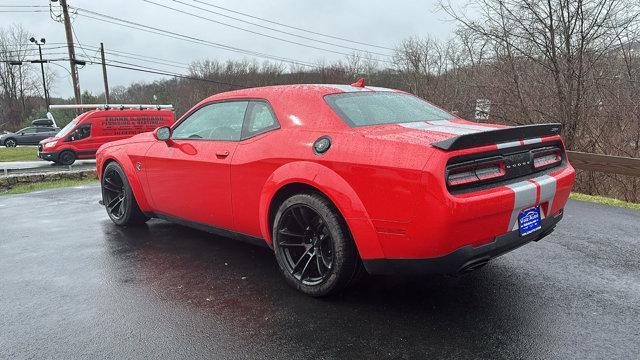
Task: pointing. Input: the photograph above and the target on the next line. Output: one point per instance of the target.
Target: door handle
(222, 154)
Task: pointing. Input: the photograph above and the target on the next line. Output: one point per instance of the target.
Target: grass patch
(18, 154)
(25, 188)
(604, 200)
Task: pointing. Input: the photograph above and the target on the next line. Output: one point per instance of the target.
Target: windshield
(67, 129)
(377, 108)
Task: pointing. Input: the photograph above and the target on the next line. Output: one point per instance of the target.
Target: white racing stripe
(532, 141)
(511, 144)
(547, 190)
(349, 88)
(439, 128)
(477, 128)
(447, 126)
(508, 144)
(526, 194)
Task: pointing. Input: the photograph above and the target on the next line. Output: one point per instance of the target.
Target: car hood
(423, 132)
(6, 135)
(49, 139)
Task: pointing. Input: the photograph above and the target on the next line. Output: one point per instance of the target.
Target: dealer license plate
(529, 221)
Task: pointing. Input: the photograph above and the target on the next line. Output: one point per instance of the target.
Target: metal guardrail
(51, 169)
(605, 163)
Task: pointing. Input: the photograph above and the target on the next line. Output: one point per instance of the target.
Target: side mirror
(162, 133)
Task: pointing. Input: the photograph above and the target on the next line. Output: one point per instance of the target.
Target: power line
(170, 34)
(247, 30)
(140, 68)
(264, 27)
(126, 54)
(24, 6)
(73, 31)
(23, 11)
(145, 69)
(119, 53)
(178, 76)
(290, 27)
(134, 56)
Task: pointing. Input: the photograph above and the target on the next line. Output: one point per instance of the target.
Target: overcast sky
(376, 22)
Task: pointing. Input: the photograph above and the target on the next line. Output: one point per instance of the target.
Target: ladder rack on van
(112, 106)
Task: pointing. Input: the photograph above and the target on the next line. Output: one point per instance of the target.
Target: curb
(8, 182)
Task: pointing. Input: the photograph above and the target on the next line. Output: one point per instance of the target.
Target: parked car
(83, 136)
(31, 135)
(337, 179)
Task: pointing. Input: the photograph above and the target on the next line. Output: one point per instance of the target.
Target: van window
(65, 130)
(81, 132)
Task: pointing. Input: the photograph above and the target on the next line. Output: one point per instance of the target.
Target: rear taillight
(469, 173)
(546, 157)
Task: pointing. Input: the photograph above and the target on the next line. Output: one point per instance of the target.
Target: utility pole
(104, 74)
(72, 51)
(44, 81)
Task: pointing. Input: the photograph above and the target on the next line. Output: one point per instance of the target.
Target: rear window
(377, 108)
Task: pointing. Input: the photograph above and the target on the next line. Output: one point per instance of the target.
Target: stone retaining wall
(8, 182)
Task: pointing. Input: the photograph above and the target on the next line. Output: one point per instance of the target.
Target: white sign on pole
(483, 106)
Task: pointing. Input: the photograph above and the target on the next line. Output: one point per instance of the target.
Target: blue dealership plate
(529, 221)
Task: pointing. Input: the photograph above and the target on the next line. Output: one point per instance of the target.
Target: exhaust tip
(474, 265)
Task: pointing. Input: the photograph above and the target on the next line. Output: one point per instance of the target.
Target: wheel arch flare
(310, 176)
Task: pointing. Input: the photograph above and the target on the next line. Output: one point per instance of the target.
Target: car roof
(298, 104)
(308, 89)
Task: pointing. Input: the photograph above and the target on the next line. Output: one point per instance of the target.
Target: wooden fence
(605, 163)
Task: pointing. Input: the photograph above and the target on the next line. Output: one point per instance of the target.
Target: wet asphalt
(73, 285)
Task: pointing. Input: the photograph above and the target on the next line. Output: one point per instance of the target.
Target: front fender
(117, 154)
(332, 185)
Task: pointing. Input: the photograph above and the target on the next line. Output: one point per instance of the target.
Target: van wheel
(10, 142)
(118, 198)
(313, 246)
(67, 157)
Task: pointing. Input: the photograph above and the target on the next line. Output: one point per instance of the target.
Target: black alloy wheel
(10, 143)
(306, 244)
(113, 194)
(118, 198)
(313, 245)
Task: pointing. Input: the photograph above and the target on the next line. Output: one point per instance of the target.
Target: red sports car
(341, 178)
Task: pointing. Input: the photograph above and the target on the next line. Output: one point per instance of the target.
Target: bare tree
(551, 46)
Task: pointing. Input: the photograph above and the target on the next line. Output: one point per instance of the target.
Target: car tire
(10, 142)
(313, 246)
(118, 198)
(67, 157)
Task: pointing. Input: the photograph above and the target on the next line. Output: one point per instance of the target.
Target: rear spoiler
(493, 137)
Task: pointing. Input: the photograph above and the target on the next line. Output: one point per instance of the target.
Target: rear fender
(334, 187)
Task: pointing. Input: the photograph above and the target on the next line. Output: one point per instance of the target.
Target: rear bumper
(463, 259)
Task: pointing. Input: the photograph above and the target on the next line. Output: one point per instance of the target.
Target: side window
(81, 132)
(29, 130)
(44, 129)
(217, 121)
(260, 119)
